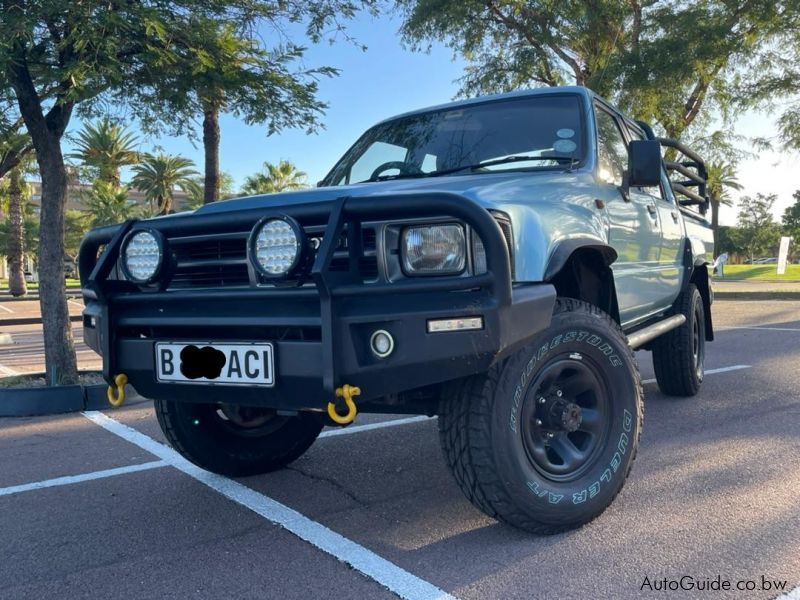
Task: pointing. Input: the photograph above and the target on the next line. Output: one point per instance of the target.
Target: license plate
(215, 364)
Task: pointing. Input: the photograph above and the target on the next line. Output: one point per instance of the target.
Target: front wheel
(544, 441)
(235, 440)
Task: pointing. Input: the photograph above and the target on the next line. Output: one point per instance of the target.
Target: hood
(490, 190)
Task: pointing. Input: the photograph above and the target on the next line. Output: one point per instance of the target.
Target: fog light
(465, 324)
(382, 343)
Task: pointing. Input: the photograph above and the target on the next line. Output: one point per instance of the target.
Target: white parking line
(714, 371)
(371, 426)
(5, 308)
(70, 479)
(396, 579)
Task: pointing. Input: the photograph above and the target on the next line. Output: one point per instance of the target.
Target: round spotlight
(276, 245)
(381, 343)
(142, 256)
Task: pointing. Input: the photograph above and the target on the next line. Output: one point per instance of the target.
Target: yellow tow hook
(116, 400)
(347, 392)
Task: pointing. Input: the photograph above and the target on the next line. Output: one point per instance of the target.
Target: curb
(39, 401)
(761, 296)
(32, 320)
(6, 297)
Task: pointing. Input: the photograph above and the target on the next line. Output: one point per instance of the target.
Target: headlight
(142, 255)
(276, 245)
(434, 250)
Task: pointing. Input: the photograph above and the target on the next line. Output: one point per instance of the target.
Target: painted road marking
(5, 308)
(756, 328)
(714, 371)
(70, 479)
(396, 579)
(371, 426)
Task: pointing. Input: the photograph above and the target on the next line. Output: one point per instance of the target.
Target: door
(670, 255)
(634, 226)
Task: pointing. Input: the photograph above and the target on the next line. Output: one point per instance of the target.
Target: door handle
(651, 208)
(674, 214)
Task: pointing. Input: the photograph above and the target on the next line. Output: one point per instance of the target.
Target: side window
(377, 154)
(612, 151)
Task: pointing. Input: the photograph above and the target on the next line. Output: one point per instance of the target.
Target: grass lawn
(35, 285)
(761, 272)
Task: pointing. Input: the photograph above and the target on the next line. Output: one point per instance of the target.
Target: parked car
(493, 261)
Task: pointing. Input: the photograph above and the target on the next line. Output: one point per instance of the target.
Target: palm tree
(721, 179)
(158, 176)
(107, 204)
(17, 191)
(106, 148)
(275, 178)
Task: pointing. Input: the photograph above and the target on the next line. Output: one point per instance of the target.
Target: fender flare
(566, 248)
(696, 270)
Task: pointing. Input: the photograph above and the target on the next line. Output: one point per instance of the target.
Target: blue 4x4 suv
(494, 261)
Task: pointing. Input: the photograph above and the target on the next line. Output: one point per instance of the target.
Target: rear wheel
(235, 440)
(679, 355)
(545, 440)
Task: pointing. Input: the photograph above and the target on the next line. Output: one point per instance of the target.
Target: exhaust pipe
(648, 334)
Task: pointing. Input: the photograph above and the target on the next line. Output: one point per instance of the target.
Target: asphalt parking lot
(93, 505)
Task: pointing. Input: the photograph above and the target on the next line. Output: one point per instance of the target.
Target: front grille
(210, 262)
(213, 261)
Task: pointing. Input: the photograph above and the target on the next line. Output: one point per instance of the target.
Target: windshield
(540, 132)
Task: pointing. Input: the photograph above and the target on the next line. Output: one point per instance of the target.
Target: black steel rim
(565, 417)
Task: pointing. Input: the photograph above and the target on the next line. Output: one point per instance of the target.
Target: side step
(641, 337)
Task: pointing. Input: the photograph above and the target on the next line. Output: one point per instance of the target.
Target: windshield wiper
(502, 161)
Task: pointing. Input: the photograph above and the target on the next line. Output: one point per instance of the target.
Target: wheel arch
(581, 269)
(701, 278)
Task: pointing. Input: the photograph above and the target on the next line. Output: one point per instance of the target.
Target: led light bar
(463, 324)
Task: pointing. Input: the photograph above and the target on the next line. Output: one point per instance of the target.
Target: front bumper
(320, 333)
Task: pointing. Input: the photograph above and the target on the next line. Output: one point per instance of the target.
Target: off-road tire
(198, 433)
(675, 354)
(481, 431)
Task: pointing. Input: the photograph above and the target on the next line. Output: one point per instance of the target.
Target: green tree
(222, 67)
(158, 176)
(730, 240)
(195, 198)
(275, 178)
(757, 230)
(56, 58)
(76, 224)
(665, 62)
(107, 204)
(721, 179)
(105, 147)
(791, 223)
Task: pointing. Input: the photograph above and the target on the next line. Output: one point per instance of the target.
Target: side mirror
(644, 163)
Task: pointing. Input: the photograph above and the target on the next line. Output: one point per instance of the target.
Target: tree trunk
(46, 132)
(16, 236)
(211, 148)
(59, 348)
(164, 205)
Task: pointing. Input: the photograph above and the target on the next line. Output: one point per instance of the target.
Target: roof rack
(693, 168)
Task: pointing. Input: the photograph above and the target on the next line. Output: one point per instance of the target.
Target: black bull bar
(512, 314)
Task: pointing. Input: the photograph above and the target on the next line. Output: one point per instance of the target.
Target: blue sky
(388, 79)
